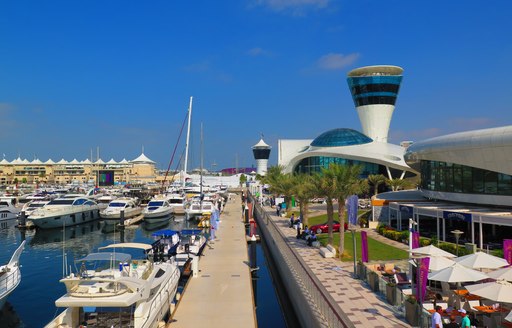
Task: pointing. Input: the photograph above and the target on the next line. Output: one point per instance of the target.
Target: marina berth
(71, 209)
(128, 206)
(158, 209)
(8, 209)
(112, 289)
(10, 275)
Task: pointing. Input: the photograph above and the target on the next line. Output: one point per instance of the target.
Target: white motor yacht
(198, 208)
(177, 202)
(33, 205)
(113, 290)
(183, 245)
(158, 209)
(10, 275)
(71, 209)
(8, 210)
(112, 214)
(104, 200)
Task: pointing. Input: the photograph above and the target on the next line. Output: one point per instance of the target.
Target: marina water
(32, 304)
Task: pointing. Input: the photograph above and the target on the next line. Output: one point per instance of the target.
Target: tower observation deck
(261, 152)
(374, 90)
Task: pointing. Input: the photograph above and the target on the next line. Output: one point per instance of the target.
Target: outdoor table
(489, 309)
(465, 293)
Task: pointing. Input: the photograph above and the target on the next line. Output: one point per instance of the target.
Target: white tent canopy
(481, 260)
(499, 291)
(431, 250)
(502, 274)
(439, 262)
(457, 273)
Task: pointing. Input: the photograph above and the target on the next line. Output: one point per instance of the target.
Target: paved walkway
(363, 307)
(221, 295)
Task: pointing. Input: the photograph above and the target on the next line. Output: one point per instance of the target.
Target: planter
(411, 313)
(361, 271)
(373, 281)
(391, 294)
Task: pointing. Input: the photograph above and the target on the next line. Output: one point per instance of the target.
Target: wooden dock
(221, 294)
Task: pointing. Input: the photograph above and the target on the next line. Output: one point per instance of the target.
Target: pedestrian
(465, 319)
(452, 323)
(298, 231)
(292, 220)
(436, 318)
(278, 209)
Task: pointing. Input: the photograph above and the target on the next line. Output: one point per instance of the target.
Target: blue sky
(77, 75)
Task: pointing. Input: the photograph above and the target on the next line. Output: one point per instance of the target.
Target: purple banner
(422, 277)
(415, 239)
(351, 203)
(364, 246)
(507, 250)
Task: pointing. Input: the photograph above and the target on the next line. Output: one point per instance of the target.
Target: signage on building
(457, 216)
(105, 178)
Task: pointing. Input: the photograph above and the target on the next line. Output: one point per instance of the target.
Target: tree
(243, 179)
(348, 183)
(325, 183)
(280, 183)
(303, 189)
(395, 184)
(375, 180)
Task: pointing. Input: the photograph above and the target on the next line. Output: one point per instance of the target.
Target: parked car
(323, 227)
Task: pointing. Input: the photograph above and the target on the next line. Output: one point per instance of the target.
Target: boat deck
(221, 294)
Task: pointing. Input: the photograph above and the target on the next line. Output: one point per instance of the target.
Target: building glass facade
(449, 177)
(314, 164)
(377, 89)
(340, 137)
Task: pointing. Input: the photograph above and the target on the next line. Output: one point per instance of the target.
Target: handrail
(326, 305)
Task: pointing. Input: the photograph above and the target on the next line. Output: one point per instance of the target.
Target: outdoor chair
(401, 278)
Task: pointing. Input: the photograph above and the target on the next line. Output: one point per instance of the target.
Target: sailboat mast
(201, 175)
(188, 138)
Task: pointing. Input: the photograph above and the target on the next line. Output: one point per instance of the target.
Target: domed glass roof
(340, 137)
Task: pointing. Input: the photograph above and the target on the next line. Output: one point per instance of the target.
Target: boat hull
(66, 219)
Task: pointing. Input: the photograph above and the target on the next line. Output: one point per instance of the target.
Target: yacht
(68, 210)
(177, 202)
(112, 214)
(10, 275)
(183, 245)
(197, 208)
(104, 200)
(31, 206)
(112, 289)
(8, 209)
(158, 209)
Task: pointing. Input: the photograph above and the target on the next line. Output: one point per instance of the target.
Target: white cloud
(336, 61)
(258, 52)
(296, 7)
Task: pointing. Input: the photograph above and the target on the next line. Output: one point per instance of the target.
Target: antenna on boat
(188, 138)
(64, 259)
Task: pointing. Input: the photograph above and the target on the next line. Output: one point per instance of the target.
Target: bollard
(22, 220)
(195, 266)
(121, 218)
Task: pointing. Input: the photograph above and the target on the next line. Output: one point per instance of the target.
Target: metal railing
(324, 311)
(9, 281)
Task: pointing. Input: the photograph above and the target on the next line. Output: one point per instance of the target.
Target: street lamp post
(457, 234)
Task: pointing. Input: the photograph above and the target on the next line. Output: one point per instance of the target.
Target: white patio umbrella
(431, 250)
(501, 274)
(509, 317)
(439, 262)
(499, 291)
(457, 273)
(481, 260)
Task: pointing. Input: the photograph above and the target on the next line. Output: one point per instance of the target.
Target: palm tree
(348, 183)
(326, 185)
(303, 190)
(280, 183)
(395, 184)
(375, 180)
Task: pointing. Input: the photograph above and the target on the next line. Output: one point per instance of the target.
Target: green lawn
(377, 251)
(323, 218)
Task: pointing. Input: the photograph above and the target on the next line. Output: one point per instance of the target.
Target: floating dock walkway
(220, 295)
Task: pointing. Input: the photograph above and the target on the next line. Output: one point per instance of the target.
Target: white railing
(9, 281)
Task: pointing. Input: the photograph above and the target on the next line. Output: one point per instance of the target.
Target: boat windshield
(176, 201)
(156, 203)
(36, 205)
(117, 204)
(61, 202)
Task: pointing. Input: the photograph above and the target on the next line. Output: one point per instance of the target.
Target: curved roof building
(469, 167)
(374, 90)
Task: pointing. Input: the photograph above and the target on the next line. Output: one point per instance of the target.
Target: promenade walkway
(221, 295)
(363, 307)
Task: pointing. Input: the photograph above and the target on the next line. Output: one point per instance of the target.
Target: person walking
(465, 319)
(436, 318)
(278, 209)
